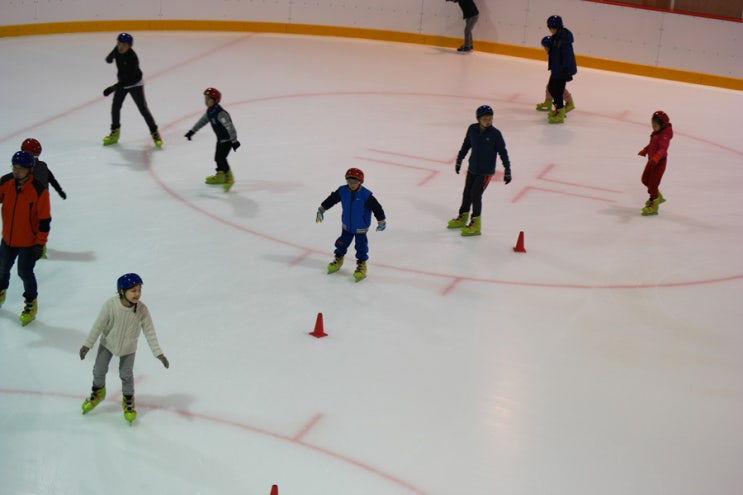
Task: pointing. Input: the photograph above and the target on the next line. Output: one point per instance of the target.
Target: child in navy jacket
(358, 205)
(226, 137)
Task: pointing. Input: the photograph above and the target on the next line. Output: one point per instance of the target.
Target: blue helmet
(554, 21)
(483, 110)
(126, 38)
(126, 282)
(23, 158)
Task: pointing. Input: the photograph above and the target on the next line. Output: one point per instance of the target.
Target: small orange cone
(275, 490)
(319, 331)
(519, 247)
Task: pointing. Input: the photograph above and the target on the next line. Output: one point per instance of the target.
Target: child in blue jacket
(358, 205)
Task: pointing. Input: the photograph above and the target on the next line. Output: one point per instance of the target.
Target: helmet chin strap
(123, 294)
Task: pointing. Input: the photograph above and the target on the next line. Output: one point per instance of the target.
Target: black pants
(474, 186)
(26, 263)
(220, 156)
(556, 88)
(137, 93)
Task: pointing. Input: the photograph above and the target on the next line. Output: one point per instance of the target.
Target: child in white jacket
(118, 325)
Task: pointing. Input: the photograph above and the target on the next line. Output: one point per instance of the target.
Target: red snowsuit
(657, 151)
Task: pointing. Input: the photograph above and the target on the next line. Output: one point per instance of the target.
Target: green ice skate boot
(360, 273)
(95, 398)
(661, 199)
(228, 181)
(127, 405)
(335, 265)
(218, 178)
(112, 138)
(651, 207)
(459, 222)
(157, 139)
(556, 117)
(2, 297)
(545, 106)
(29, 312)
(473, 228)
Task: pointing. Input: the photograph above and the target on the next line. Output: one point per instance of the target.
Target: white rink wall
(624, 34)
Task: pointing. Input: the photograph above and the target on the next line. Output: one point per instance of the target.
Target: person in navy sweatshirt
(486, 143)
(561, 64)
(358, 205)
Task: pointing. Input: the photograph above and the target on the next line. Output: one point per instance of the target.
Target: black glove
(37, 250)
(109, 90)
(235, 145)
(62, 194)
(507, 177)
(83, 352)
(458, 166)
(110, 58)
(164, 360)
(189, 135)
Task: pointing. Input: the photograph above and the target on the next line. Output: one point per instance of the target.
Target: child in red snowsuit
(657, 152)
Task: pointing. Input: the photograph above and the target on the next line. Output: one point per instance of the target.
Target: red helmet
(32, 146)
(213, 93)
(661, 117)
(355, 173)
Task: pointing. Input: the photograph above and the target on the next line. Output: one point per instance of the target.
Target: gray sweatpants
(126, 370)
(469, 24)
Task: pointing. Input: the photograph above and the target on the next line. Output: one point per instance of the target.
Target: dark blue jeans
(26, 263)
(344, 242)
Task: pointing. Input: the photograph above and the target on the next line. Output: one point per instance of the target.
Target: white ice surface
(605, 360)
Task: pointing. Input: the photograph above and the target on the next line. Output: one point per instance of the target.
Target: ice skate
(473, 228)
(127, 405)
(112, 138)
(360, 273)
(464, 49)
(661, 199)
(157, 139)
(2, 297)
(95, 398)
(29, 312)
(569, 105)
(556, 117)
(218, 178)
(335, 265)
(459, 222)
(651, 207)
(229, 181)
(545, 106)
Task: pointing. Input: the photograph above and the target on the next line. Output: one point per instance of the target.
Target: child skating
(657, 152)
(486, 143)
(226, 137)
(470, 14)
(358, 205)
(27, 219)
(41, 171)
(546, 105)
(129, 77)
(119, 324)
(561, 64)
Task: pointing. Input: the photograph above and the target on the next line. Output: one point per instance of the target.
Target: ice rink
(607, 359)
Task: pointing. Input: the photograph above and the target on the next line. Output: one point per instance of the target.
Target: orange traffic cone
(519, 247)
(275, 490)
(319, 331)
